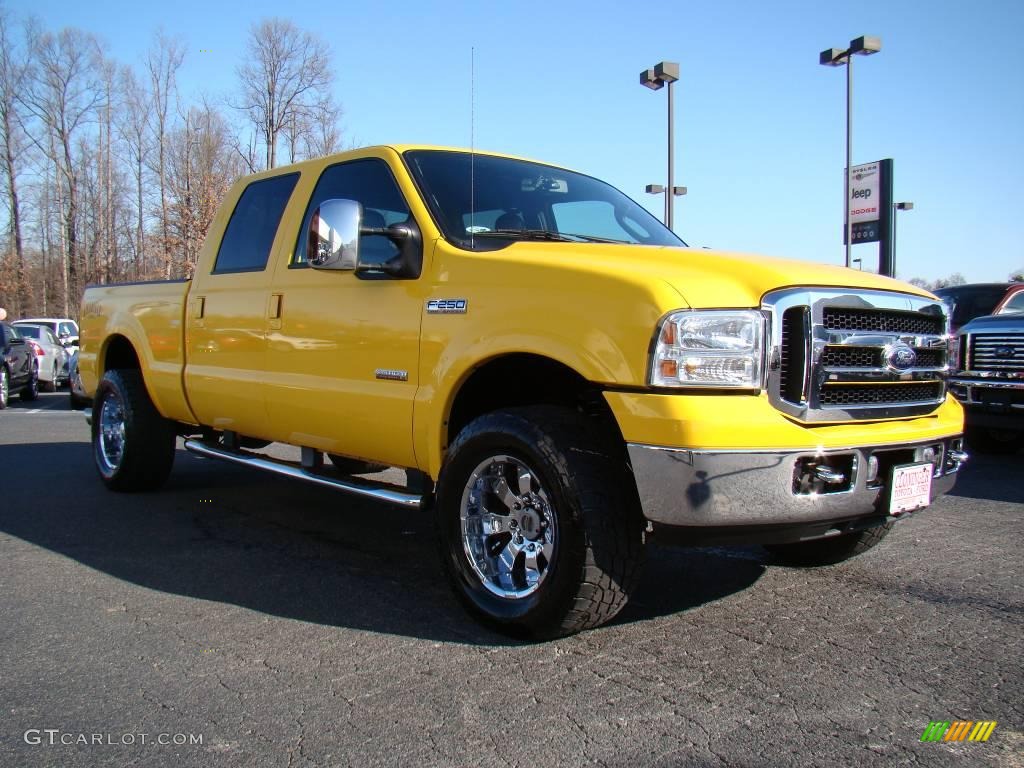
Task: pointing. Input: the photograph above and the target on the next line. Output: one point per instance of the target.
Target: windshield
(971, 302)
(482, 202)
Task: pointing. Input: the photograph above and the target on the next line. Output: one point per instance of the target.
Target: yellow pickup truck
(558, 374)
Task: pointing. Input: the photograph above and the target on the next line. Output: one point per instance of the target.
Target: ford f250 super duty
(557, 372)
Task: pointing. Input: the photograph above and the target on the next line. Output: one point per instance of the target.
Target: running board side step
(378, 492)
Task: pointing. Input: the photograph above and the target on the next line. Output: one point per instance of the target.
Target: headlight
(711, 348)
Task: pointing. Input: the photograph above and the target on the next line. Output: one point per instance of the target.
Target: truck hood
(1011, 322)
(704, 278)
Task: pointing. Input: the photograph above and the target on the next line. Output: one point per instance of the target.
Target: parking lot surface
(286, 625)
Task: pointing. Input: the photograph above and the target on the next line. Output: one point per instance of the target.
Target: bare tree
(324, 134)
(286, 75)
(134, 129)
(12, 81)
(203, 163)
(162, 64)
(63, 93)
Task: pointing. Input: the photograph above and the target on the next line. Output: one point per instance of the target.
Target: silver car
(53, 360)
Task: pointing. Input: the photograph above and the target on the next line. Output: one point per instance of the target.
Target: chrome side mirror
(332, 241)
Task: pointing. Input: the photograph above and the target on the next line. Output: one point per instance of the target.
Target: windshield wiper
(545, 234)
(596, 239)
(526, 234)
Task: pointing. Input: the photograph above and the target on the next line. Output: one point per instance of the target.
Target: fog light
(872, 469)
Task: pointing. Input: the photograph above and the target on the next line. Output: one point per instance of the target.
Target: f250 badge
(446, 306)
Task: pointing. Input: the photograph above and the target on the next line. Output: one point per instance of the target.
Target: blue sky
(760, 137)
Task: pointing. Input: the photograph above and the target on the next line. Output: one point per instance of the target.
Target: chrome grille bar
(861, 354)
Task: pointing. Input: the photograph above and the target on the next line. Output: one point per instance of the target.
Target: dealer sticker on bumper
(911, 487)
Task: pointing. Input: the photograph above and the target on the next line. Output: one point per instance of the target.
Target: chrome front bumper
(689, 488)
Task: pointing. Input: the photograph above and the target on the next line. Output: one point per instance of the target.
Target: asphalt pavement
(239, 619)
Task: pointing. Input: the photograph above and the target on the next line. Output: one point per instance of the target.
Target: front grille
(872, 357)
(837, 354)
(883, 321)
(879, 394)
(996, 352)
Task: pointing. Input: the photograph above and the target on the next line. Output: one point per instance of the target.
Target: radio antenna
(472, 145)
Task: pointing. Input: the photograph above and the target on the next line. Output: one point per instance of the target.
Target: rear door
(227, 313)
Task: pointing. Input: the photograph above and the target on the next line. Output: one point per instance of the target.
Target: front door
(343, 350)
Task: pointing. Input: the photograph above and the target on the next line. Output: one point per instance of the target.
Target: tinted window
(973, 301)
(30, 330)
(371, 183)
(250, 232)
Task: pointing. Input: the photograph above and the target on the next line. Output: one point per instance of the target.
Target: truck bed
(150, 315)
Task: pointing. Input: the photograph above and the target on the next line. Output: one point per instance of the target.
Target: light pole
(665, 73)
(658, 189)
(834, 57)
(897, 207)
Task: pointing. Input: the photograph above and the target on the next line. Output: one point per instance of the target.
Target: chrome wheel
(111, 434)
(509, 529)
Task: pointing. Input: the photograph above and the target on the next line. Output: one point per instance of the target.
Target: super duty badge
(446, 306)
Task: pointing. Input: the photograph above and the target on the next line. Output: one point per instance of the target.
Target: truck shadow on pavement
(232, 535)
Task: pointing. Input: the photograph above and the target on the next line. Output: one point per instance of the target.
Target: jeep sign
(864, 205)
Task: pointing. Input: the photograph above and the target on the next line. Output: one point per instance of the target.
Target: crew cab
(558, 373)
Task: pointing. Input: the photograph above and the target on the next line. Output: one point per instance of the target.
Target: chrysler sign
(864, 202)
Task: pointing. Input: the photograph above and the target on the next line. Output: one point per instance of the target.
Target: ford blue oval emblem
(1006, 352)
(900, 357)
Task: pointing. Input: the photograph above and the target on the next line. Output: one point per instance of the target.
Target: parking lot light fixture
(905, 206)
(835, 57)
(661, 74)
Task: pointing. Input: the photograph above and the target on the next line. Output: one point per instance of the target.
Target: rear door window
(249, 236)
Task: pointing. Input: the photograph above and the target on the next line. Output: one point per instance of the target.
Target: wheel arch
(520, 379)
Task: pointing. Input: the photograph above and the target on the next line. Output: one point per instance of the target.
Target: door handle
(198, 307)
(274, 310)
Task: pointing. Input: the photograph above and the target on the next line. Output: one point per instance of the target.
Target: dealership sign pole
(869, 210)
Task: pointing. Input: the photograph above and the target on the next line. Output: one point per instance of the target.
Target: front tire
(829, 551)
(539, 524)
(5, 387)
(133, 445)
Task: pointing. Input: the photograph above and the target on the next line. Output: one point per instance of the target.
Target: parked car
(78, 397)
(967, 302)
(53, 357)
(989, 381)
(64, 328)
(19, 371)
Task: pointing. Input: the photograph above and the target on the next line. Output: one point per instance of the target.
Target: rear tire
(31, 390)
(539, 524)
(51, 385)
(5, 387)
(133, 445)
(836, 549)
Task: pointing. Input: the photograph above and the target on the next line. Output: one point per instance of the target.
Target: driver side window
(371, 183)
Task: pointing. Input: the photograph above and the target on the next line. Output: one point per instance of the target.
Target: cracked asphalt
(292, 626)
